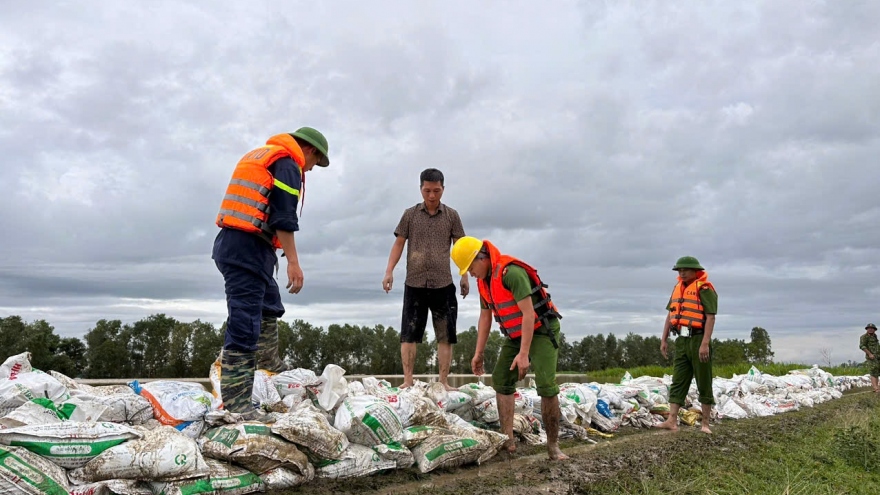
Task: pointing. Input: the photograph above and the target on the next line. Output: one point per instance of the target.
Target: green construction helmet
(687, 262)
(316, 139)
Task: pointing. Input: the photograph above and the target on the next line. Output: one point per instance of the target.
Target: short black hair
(430, 175)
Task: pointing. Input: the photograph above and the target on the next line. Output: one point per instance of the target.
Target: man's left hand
(521, 361)
(704, 353)
(465, 287)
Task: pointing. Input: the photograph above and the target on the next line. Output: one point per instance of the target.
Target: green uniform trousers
(542, 356)
(687, 365)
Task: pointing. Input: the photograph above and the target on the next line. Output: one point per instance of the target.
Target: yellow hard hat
(464, 251)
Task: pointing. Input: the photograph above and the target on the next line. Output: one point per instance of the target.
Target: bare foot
(510, 446)
(555, 453)
(449, 388)
(406, 385)
(705, 429)
(667, 425)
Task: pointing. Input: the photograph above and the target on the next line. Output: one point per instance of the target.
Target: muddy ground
(635, 452)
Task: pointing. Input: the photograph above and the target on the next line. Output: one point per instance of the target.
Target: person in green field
(691, 317)
(868, 343)
(511, 290)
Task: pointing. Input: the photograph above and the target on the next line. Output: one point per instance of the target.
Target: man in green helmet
(868, 343)
(258, 216)
(691, 318)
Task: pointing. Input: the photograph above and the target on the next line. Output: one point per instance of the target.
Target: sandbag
(14, 365)
(368, 421)
(396, 452)
(308, 427)
(176, 402)
(222, 479)
(22, 471)
(163, 454)
(69, 444)
(415, 435)
(254, 447)
(357, 460)
(282, 479)
(26, 386)
(478, 392)
(113, 487)
(447, 451)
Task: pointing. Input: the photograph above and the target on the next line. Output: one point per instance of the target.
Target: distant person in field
(691, 318)
(512, 292)
(257, 217)
(427, 230)
(868, 343)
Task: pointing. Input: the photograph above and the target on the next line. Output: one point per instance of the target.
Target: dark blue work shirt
(251, 251)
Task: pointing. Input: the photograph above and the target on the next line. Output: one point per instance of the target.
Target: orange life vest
(685, 307)
(246, 204)
(501, 301)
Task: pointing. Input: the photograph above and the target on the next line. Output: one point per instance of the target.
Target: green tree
(207, 341)
(70, 357)
(307, 345)
(12, 336)
(759, 348)
(731, 351)
(106, 354)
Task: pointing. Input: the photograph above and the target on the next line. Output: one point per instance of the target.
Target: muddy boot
(237, 380)
(267, 347)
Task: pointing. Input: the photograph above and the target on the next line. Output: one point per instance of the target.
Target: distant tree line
(162, 347)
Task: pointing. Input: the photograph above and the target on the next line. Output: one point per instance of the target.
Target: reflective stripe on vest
(685, 307)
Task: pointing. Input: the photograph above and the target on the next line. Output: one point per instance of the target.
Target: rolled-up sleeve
(285, 195)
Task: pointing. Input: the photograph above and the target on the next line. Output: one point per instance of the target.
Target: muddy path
(635, 452)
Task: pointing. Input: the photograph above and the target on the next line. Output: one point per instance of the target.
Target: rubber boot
(268, 357)
(237, 384)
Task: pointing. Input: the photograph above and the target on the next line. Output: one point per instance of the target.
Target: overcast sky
(598, 141)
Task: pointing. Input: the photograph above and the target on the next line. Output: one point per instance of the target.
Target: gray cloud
(599, 141)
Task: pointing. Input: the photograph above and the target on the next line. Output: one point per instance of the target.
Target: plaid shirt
(429, 239)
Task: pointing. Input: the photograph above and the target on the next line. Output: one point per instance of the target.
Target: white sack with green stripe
(368, 420)
(23, 472)
(70, 444)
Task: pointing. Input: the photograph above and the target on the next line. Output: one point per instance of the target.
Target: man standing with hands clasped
(869, 344)
(692, 308)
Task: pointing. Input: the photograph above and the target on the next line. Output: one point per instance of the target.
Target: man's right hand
(663, 349)
(477, 365)
(870, 356)
(387, 282)
(294, 278)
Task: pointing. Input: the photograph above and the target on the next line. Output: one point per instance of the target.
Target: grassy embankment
(832, 449)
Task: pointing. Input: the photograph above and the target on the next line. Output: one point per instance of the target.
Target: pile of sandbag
(168, 437)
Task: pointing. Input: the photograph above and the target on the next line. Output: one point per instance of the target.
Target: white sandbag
(254, 447)
(294, 382)
(478, 392)
(282, 479)
(163, 454)
(121, 407)
(23, 472)
(403, 405)
(13, 365)
(264, 393)
(584, 399)
(426, 412)
(567, 407)
(529, 429)
(113, 487)
(487, 411)
(415, 435)
(308, 427)
(447, 451)
(455, 399)
(522, 403)
(356, 461)
(25, 386)
(400, 455)
(490, 440)
(176, 402)
(223, 479)
(368, 420)
(70, 444)
(29, 413)
(333, 387)
(728, 408)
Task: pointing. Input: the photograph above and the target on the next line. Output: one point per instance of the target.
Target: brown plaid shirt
(429, 239)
